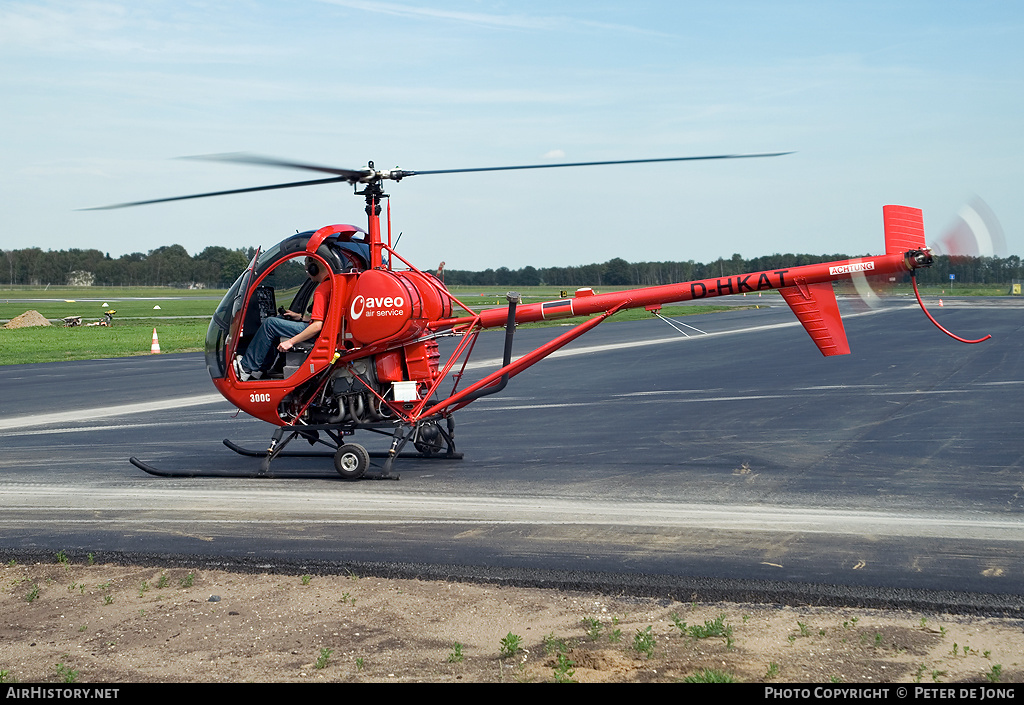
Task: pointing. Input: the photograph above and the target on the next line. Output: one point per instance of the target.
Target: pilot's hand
(285, 345)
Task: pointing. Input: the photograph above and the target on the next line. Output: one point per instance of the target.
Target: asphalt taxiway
(727, 464)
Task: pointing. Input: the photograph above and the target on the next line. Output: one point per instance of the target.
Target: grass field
(183, 317)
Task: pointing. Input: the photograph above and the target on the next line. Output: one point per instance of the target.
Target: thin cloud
(477, 18)
(513, 21)
(106, 29)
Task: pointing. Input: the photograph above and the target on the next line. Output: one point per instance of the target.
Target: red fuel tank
(381, 304)
(385, 306)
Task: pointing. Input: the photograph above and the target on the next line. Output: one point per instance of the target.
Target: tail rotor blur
(975, 231)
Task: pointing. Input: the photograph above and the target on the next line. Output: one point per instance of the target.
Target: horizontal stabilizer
(816, 307)
(904, 229)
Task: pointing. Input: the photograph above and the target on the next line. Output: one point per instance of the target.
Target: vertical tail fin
(904, 229)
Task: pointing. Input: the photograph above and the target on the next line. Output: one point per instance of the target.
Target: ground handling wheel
(428, 440)
(351, 461)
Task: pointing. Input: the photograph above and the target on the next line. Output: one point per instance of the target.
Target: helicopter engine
(364, 390)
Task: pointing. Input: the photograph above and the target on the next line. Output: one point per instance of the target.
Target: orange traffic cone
(940, 303)
(155, 348)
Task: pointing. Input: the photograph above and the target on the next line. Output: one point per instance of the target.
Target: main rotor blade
(368, 175)
(272, 187)
(352, 175)
(622, 161)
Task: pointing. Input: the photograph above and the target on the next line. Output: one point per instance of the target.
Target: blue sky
(916, 103)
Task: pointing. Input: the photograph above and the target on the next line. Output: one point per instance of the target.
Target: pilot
(292, 326)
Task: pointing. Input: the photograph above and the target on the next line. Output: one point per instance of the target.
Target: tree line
(217, 267)
(214, 267)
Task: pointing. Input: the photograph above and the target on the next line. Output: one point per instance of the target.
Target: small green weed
(593, 627)
(643, 642)
(511, 645)
(553, 645)
(563, 670)
(994, 673)
(306, 579)
(772, 672)
(324, 658)
(710, 628)
(456, 654)
(32, 594)
(66, 674)
(187, 581)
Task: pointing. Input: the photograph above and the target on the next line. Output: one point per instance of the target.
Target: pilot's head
(315, 270)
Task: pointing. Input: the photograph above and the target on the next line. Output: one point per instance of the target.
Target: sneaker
(243, 374)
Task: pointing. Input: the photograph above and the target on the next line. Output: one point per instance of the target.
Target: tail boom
(807, 289)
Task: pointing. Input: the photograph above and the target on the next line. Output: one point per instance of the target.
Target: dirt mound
(27, 320)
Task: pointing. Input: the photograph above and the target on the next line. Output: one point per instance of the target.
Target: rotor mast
(373, 192)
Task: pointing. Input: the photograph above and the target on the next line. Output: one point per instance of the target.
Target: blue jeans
(258, 357)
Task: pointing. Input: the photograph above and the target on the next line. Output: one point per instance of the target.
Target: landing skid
(254, 474)
(146, 467)
(367, 471)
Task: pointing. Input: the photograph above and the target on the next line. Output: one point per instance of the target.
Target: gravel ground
(114, 623)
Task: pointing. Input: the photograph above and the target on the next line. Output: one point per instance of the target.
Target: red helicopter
(375, 363)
